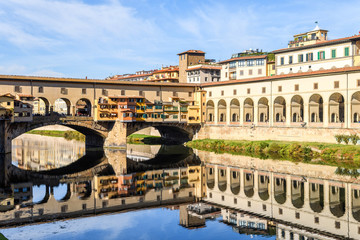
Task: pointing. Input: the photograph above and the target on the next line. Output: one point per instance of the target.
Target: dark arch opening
(222, 179)
(316, 197)
(62, 106)
(235, 182)
(263, 187)
(83, 107)
(337, 200)
(210, 177)
(249, 184)
(280, 190)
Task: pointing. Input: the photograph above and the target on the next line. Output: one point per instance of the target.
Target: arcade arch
(222, 111)
(279, 109)
(248, 110)
(336, 108)
(210, 111)
(263, 109)
(316, 108)
(235, 110)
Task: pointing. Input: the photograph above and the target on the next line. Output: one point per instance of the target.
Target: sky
(101, 38)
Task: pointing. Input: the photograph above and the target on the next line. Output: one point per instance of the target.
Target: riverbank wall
(261, 133)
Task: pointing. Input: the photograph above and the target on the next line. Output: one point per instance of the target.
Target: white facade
(243, 67)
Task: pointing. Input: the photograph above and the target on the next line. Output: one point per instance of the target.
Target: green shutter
(318, 55)
(346, 52)
(323, 54)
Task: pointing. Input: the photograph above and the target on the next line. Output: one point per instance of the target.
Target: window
(157, 93)
(235, 201)
(206, 79)
(41, 89)
(248, 91)
(321, 55)
(175, 94)
(282, 61)
(241, 72)
(316, 220)
(259, 71)
(222, 92)
(309, 57)
(280, 211)
(300, 58)
(316, 86)
(279, 88)
(64, 91)
(104, 92)
(242, 63)
(333, 53)
(18, 89)
(297, 215)
(264, 207)
(232, 64)
(234, 91)
(346, 52)
(358, 82)
(260, 62)
(296, 87)
(190, 94)
(290, 59)
(336, 84)
(337, 224)
(250, 72)
(226, 74)
(210, 195)
(250, 62)
(83, 91)
(223, 198)
(210, 93)
(263, 90)
(122, 92)
(140, 93)
(249, 204)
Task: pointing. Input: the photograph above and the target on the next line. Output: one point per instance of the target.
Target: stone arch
(337, 200)
(235, 110)
(83, 107)
(279, 109)
(355, 107)
(263, 109)
(297, 193)
(336, 108)
(297, 109)
(210, 177)
(41, 106)
(210, 114)
(316, 108)
(222, 111)
(62, 106)
(316, 197)
(248, 110)
(61, 197)
(235, 181)
(249, 184)
(45, 197)
(280, 190)
(263, 189)
(222, 179)
(355, 204)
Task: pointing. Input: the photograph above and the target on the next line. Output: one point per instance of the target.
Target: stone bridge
(98, 134)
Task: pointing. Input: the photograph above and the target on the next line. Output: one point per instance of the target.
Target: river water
(53, 188)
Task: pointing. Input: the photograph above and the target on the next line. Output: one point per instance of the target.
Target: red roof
(318, 44)
(244, 58)
(204, 67)
(192, 51)
(167, 70)
(130, 76)
(278, 77)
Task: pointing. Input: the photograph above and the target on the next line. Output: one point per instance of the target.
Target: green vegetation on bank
(69, 135)
(347, 156)
(144, 139)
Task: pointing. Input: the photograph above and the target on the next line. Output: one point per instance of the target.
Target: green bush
(354, 138)
(346, 139)
(339, 138)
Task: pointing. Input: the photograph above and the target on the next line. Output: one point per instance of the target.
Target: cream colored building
(313, 51)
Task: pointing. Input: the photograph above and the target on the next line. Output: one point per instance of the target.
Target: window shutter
(307, 57)
(323, 54)
(318, 55)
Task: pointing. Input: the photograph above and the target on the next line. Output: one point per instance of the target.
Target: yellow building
(165, 74)
(7, 106)
(197, 108)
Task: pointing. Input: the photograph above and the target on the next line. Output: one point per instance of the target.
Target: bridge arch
(235, 181)
(210, 111)
(62, 192)
(62, 106)
(279, 109)
(83, 107)
(41, 106)
(336, 108)
(316, 108)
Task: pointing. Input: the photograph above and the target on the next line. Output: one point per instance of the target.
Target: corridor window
(210, 93)
(63, 91)
(222, 92)
(83, 91)
(336, 84)
(234, 91)
(248, 91)
(279, 88)
(316, 86)
(122, 92)
(296, 87)
(358, 82)
(263, 90)
(41, 89)
(250, 62)
(321, 55)
(290, 59)
(300, 58)
(18, 89)
(241, 63)
(333, 53)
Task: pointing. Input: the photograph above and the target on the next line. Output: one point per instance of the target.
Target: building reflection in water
(252, 196)
(38, 153)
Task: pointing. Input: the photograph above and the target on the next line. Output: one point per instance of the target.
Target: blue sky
(94, 38)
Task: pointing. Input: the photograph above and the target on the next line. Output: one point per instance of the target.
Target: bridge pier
(117, 136)
(5, 139)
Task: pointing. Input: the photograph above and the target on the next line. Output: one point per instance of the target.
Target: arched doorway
(280, 109)
(41, 106)
(83, 107)
(336, 108)
(263, 109)
(297, 109)
(222, 111)
(355, 107)
(210, 111)
(316, 108)
(235, 110)
(210, 177)
(249, 110)
(62, 106)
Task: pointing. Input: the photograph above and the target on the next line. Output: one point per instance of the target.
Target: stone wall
(228, 132)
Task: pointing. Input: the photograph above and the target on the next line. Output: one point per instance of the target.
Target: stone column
(117, 136)
(256, 113)
(347, 113)
(326, 114)
(306, 113)
(5, 138)
(228, 113)
(271, 114)
(241, 113)
(288, 114)
(216, 112)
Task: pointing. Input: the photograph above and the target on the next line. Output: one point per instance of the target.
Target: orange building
(165, 74)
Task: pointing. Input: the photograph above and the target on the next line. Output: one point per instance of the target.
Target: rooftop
(192, 51)
(244, 58)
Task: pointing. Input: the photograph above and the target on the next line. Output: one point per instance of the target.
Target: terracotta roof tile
(204, 68)
(192, 51)
(243, 58)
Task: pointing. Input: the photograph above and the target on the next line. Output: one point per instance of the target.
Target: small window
(249, 204)
(157, 93)
(175, 94)
(83, 91)
(280, 211)
(346, 52)
(297, 215)
(41, 89)
(316, 220)
(333, 53)
(222, 198)
(248, 91)
(250, 72)
(263, 90)
(222, 92)
(282, 61)
(122, 92)
(296, 87)
(104, 92)
(64, 91)
(190, 94)
(122, 201)
(210, 195)
(279, 88)
(358, 82)
(210, 93)
(337, 224)
(241, 72)
(259, 71)
(264, 207)
(235, 200)
(234, 91)
(300, 58)
(84, 206)
(141, 93)
(64, 208)
(290, 59)
(336, 84)
(18, 89)
(316, 86)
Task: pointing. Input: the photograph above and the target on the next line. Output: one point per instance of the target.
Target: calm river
(53, 188)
